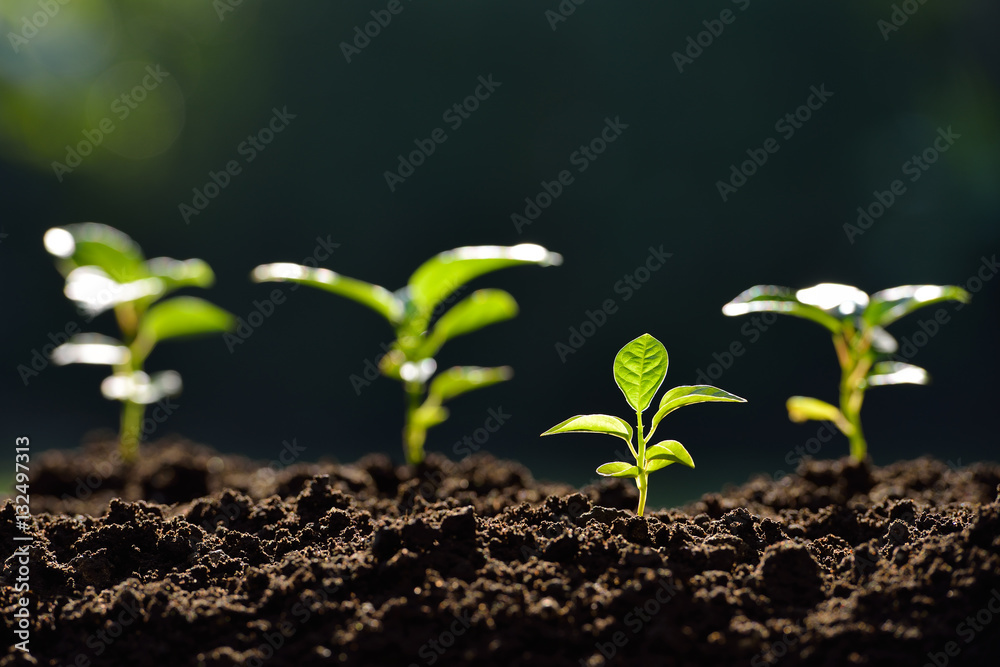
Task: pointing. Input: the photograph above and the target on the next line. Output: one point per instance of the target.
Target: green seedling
(639, 370)
(857, 322)
(105, 269)
(421, 331)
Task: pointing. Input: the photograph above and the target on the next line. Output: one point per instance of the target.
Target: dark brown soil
(197, 558)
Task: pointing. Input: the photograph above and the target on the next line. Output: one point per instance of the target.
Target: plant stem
(413, 436)
(641, 481)
(852, 391)
(641, 462)
(131, 429)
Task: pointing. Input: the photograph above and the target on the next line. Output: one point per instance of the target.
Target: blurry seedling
(105, 269)
(863, 346)
(639, 370)
(410, 310)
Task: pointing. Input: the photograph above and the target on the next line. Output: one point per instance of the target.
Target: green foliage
(106, 270)
(857, 323)
(639, 370)
(411, 310)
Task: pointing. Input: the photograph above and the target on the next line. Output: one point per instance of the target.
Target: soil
(192, 557)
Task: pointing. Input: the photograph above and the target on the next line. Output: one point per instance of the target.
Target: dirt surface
(192, 557)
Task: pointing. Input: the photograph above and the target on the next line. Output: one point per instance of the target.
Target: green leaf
(780, 300)
(891, 304)
(479, 309)
(176, 273)
(639, 370)
(438, 277)
(94, 244)
(686, 395)
(427, 416)
(802, 408)
(461, 379)
(375, 297)
(594, 424)
(181, 316)
(896, 372)
(671, 451)
(618, 469)
(652, 466)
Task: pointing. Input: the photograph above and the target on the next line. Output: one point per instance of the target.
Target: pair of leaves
(833, 304)
(104, 267)
(658, 456)
(409, 311)
(179, 317)
(639, 370)
(429, 285)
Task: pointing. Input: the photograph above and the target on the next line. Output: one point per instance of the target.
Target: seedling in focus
(639, 370)
(863, 346)
(410, 311)
(105, 269)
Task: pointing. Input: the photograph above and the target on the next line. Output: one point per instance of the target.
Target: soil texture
(192, 557)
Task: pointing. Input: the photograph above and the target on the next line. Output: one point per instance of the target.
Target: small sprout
(863, 346)
(639, 370)
(410, 311)
(106, 270)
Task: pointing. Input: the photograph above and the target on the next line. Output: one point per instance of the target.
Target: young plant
(857, 322)
(639, 370)
(410, 311)
(105, 269)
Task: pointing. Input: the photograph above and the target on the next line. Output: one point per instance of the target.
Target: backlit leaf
(639, 370)
(375, 297)
(438, 277)
(618, 469)
(608, 424)
(777, 299)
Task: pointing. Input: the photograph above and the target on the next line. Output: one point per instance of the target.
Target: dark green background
(656, 185)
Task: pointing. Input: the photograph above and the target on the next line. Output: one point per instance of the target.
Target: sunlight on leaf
(140, 388)
(639, 370)
(90, 348)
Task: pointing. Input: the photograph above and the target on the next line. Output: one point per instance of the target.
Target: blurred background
(123, 112)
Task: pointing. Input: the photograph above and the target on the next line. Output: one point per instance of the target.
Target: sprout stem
(131, 429)
(413, 435)
(641, 462)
